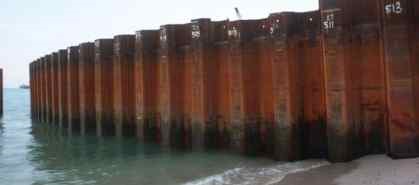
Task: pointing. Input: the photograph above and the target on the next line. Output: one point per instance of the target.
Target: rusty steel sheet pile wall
(104, 87)
(400, 22)
(220, 90)
(87, 87)
(313, 86)
(35, 90)
(146, 84)
(264, 87)
(48, 84)
(42, 90)
(201, 84)
(369, 87)
(287, 86)
(188, 91)
(38, 90)
(342, 112)
(363, 82)
(182, 96)
(355, 78)
(244, 78)
(38, 96)
(165, 54)
(337, 83)
(37, 81)
(123, 81)
(62, 88)
(171, 83)
(54, 87)
(73, 90)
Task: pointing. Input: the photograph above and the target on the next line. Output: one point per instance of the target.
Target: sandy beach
(369, 170)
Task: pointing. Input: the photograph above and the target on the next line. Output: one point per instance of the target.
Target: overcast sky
(32, 28)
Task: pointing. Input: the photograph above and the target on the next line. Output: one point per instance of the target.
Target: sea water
(39, 154)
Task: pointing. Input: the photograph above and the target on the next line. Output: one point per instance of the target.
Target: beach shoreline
(369, 170)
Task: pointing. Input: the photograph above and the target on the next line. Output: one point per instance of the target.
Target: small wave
(259, 175)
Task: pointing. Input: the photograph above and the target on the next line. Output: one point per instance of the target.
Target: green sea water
(39, 154)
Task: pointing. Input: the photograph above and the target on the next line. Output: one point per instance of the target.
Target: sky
(30, 29)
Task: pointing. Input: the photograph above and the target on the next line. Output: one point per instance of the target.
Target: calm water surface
(38, 154)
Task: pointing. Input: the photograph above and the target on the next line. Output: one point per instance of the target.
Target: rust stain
(339, 83)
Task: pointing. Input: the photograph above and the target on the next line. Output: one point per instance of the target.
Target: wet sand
(370, 170)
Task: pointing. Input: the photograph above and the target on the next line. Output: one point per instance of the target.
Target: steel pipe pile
(337, 83)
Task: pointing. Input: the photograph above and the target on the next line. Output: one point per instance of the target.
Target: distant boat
(24, 86)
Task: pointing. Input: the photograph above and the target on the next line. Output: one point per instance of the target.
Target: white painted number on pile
(163, 35)
(329, 23)
(234, 33)
(196, 31)
(393, 8)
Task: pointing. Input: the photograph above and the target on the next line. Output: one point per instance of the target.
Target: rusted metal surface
(54, 88)
(42, 75)
(400, 50)
(187, 93)
(62, 88)
(235, 127)
(37, 72)
(166, 55)
(341, 81)
(87, 87)
(263, 46)
(73, 90)
(37, 81)
(245, 79)
(220, 90)
(352, 42)
(123, 81)
(201, 83)
(337, 83)
(287, 87)
(370, 87)
(334, 48)
(36, 91)
(170, 83)
(44, 89)
(311, 69)
(48, 91)
(104, 87)
(146, 84)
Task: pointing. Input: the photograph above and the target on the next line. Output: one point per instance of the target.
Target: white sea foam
(267, 175)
